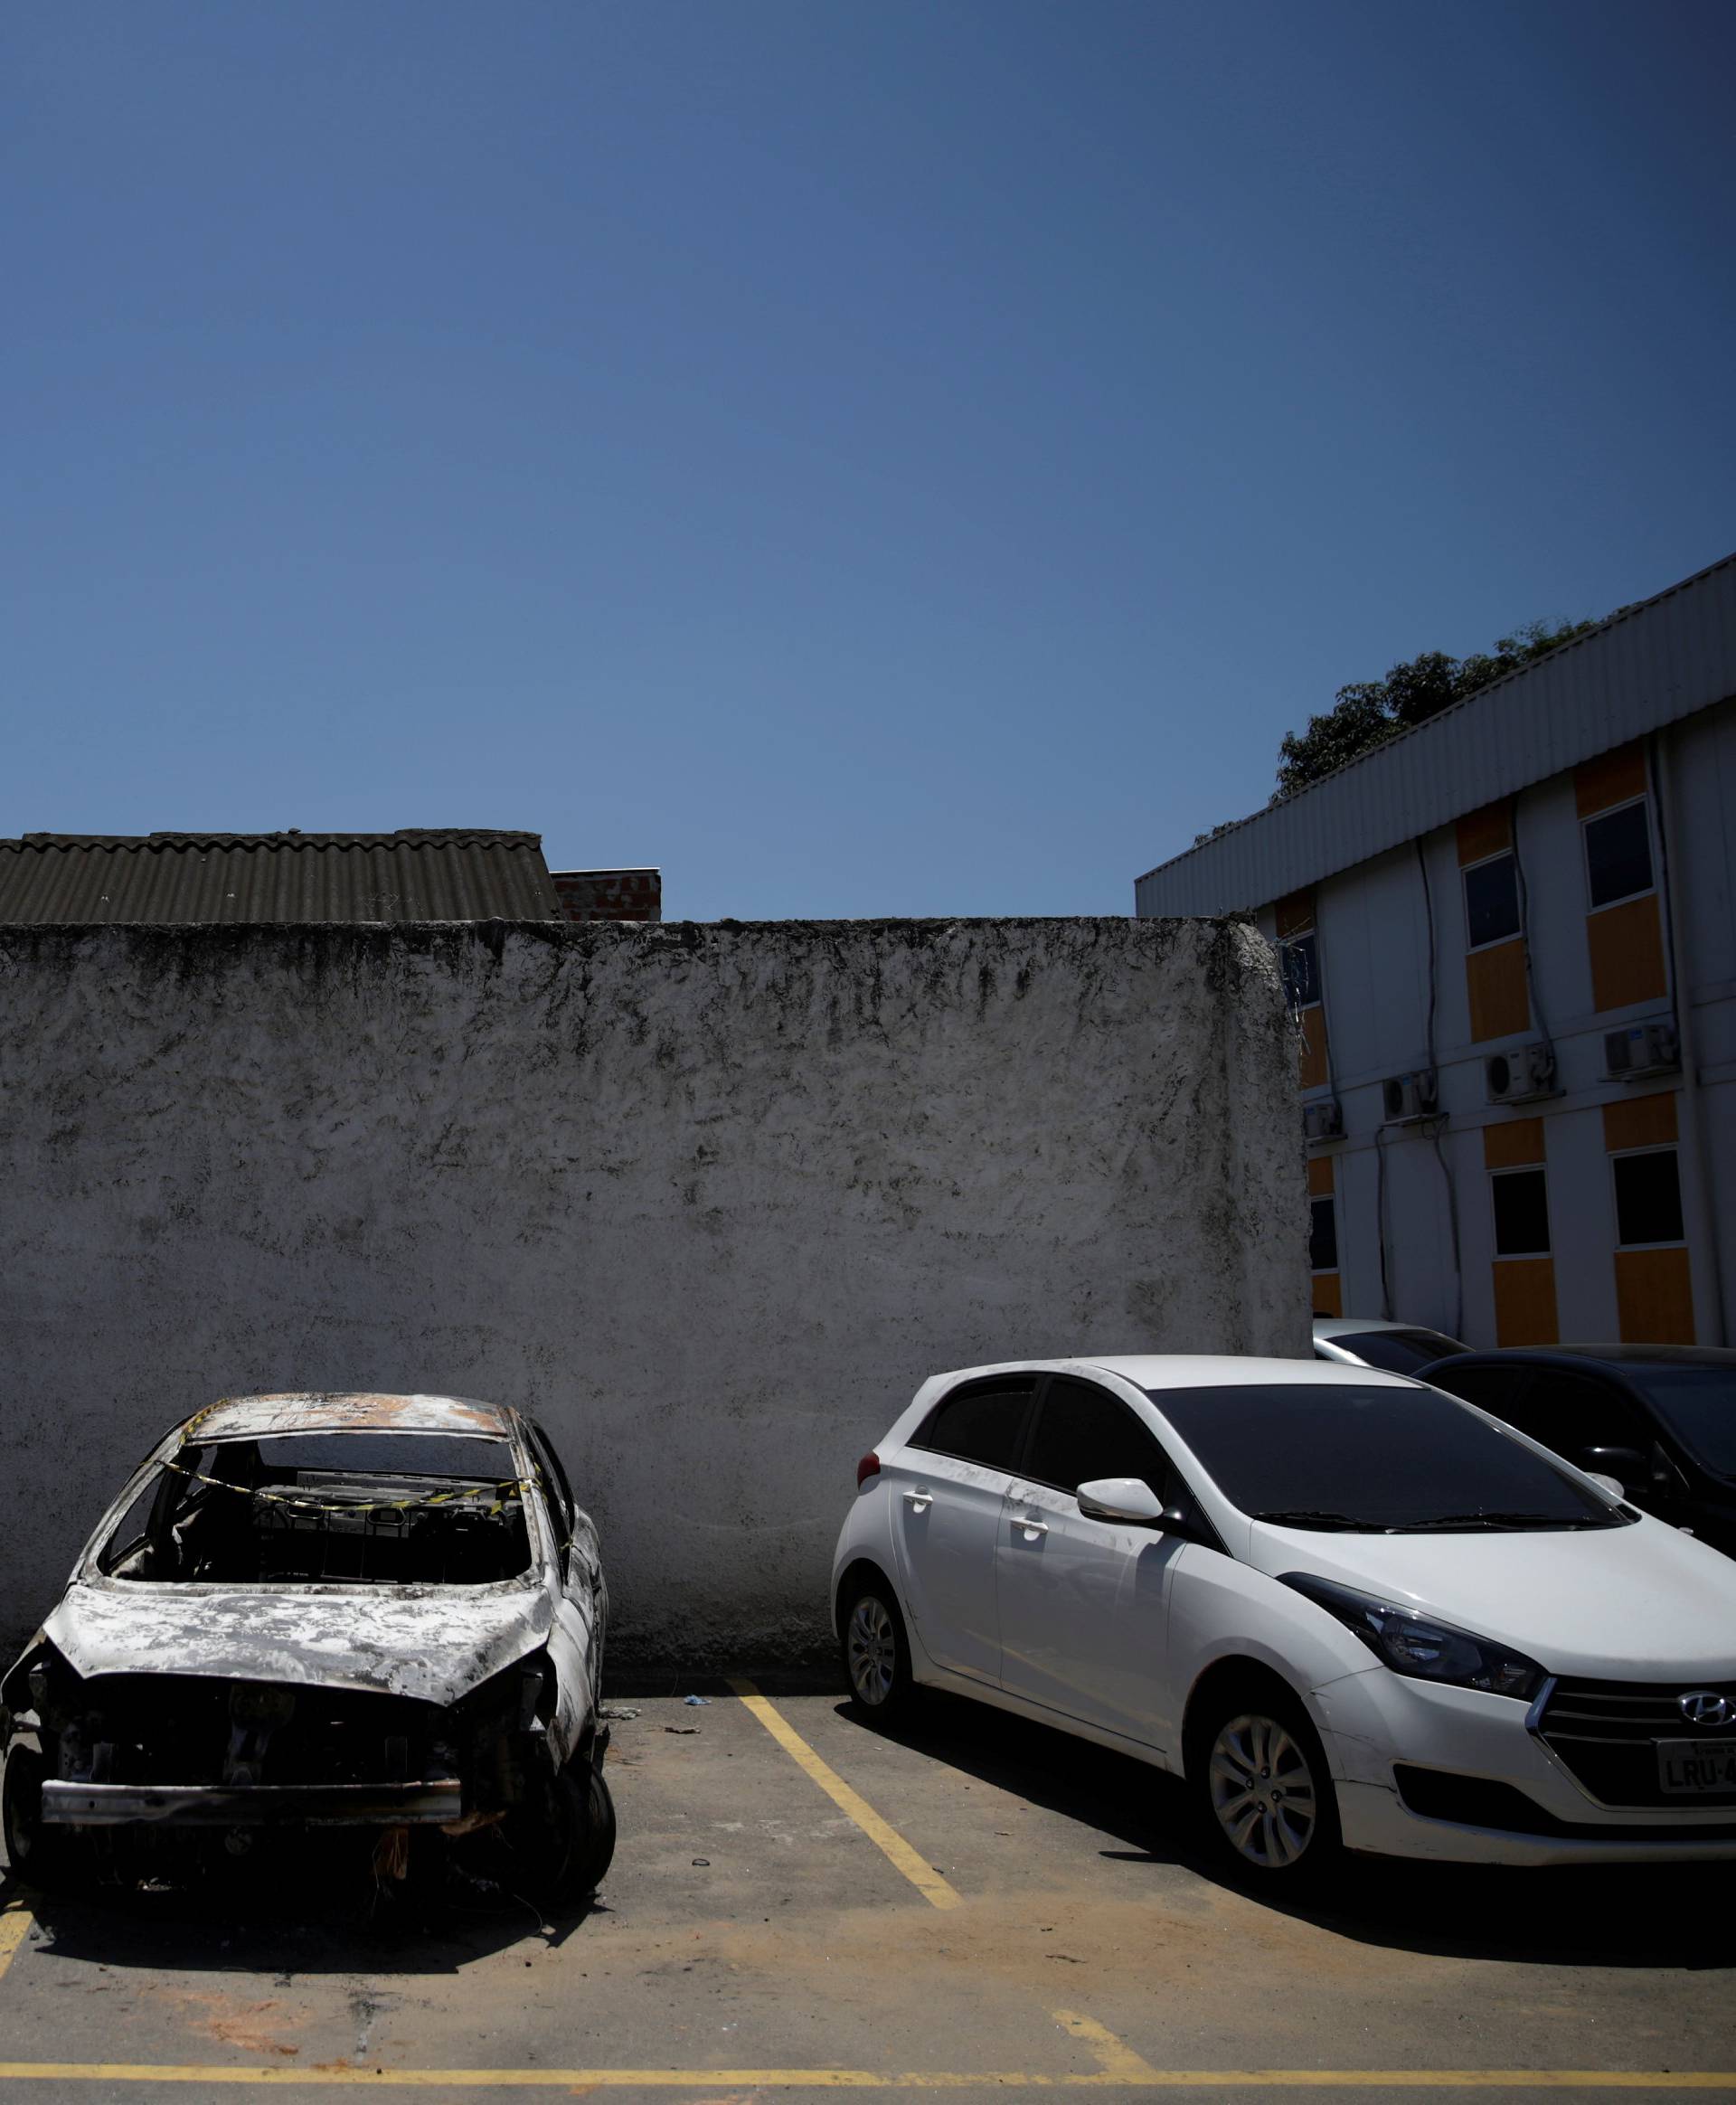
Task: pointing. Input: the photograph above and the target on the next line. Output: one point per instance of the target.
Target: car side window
(132, 1530)
(1499, 1391)
(556, 1489)
(983, 1423)
(1083, 1433)
(1571, 1412)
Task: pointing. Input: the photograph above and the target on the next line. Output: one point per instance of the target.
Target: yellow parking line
(924, 1876)
(1118, 2062)
(15, 1919)
(879, 2079)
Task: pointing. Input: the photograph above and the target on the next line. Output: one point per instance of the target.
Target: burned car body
(332, 1609)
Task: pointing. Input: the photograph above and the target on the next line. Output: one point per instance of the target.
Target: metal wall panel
(1647, 667)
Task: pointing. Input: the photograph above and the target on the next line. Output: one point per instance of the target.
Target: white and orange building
(1510, 937)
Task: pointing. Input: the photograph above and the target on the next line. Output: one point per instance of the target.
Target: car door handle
(918, 1500)
(1032, 1526)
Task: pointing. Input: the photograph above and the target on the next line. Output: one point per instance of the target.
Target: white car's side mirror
(1612, 1485)
(1121, 1498)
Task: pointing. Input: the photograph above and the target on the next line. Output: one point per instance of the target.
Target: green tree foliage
(1369, 712)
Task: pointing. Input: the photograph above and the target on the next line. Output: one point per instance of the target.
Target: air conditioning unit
(1406, 1098)
(1641, 1049)
(1324, 1120)
(1520, 1074)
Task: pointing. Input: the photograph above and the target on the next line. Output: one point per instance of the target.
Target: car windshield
(1398, 1352)
(388, 1507)
(1699, 1406)
(1373, 1460)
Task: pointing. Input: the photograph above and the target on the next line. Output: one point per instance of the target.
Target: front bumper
(1375, 1820)
(1374, 1721)
(254, 1805)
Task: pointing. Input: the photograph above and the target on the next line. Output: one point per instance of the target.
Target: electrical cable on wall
(1380, 1219)
(1452, 1228)
(1525, 927)
(1664, 888)
(1428, 909)
(1438, 1124)
(1681, 999)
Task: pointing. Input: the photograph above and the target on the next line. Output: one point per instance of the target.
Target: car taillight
(869, 1466)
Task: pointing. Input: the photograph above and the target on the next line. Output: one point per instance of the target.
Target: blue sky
(910, 457)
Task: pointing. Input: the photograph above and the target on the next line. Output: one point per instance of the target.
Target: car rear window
(448, 1456)
(1331, 1456)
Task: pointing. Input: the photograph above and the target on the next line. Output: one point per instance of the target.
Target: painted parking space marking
(922, 1875)
(15, 1920)
(1116, 2077)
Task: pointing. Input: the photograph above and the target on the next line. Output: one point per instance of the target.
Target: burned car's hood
(433, 1643)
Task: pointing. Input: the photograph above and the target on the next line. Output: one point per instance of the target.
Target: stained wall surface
(710, 1200)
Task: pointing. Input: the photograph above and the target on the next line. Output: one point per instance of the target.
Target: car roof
(346, 1410)
(1617, 1356)
(1181, 1370)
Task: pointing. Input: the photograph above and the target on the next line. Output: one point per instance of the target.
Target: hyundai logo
(1704, 1706)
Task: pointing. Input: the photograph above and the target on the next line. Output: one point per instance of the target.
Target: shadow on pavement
(314, 1907)
(1570, 1915)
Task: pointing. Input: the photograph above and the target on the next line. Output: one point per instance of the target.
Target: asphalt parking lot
(801, 1904)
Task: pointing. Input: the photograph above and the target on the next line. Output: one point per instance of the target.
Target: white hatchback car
(1350, 1611)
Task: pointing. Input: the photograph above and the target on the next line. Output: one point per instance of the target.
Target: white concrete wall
(710, 1200)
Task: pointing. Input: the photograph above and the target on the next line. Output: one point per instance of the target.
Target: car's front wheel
(48, 1858)
(583, 1838)
(876, 1657)
(1262, 1788)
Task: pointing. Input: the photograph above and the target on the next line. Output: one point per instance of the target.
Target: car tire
(1262, 1792)
(876, 1651)
(48, 1859)
(579, 1840)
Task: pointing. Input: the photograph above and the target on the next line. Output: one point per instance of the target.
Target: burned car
(372, 1611)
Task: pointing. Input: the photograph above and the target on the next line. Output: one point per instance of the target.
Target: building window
(1521, 1201)
(1491, 901)
(1323, 1235)
(1300, 960)
(1618, 854)
(1648, 1197)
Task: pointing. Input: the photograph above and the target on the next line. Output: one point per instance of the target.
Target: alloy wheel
(1263, 1791)
(872, 1651)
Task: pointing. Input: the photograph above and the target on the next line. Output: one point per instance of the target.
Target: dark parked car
(1661, 1418)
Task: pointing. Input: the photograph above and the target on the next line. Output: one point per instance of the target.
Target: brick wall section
(610, 895)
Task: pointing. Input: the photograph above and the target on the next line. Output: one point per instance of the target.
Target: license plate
(1687, 1767)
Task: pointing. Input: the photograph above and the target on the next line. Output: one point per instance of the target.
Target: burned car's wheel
(47, 1858)
(565, 1854)
(876, 1658)
(583, 1834)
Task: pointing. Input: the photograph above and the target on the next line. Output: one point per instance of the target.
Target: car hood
(431, 1642)
(1639, 1604)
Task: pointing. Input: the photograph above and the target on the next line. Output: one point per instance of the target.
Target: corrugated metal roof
(1646, 667)
(417, 874)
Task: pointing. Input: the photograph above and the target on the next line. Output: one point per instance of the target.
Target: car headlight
(1412, 1643)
